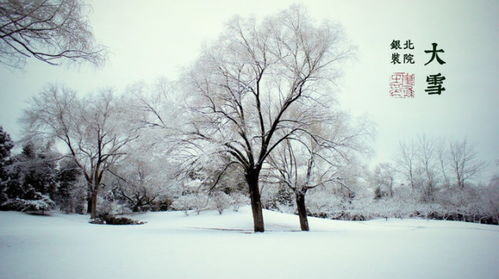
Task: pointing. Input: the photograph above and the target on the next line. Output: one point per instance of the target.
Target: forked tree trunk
(302, 211)
(256, 203)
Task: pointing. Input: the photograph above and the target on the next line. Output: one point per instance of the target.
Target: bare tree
(383, 178)
(94, 129)
(312, 161)
(299, 173)
(48, 30)
(418, 160)
(135, 186)
(427, 164)
(407, 162)
(465, 164)
(245, 86)
(442, 153)
(145, 178)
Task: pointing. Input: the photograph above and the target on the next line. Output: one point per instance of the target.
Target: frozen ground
(172, 245)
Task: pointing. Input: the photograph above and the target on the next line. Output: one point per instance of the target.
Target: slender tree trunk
(460, 181)
(390, 188)
(302, 211)
(256, 203)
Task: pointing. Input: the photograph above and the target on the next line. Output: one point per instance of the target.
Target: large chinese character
(435, 84)
(401, 85)
(434, 55)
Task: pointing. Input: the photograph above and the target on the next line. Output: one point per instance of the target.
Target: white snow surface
(209, 245)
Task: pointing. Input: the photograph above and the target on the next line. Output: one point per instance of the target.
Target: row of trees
(437, 177)
(38, 179)
(426, 164)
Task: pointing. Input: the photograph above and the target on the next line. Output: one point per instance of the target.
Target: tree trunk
(93, 207)
(460, 181)
(94, 193)
(89, 196)
(302, 211)
(256, 203)
(89, 203)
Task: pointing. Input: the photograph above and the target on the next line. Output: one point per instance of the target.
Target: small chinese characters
(408, 58)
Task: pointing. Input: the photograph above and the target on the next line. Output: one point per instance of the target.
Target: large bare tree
(94, 129)
(48, 30)
(246, 85)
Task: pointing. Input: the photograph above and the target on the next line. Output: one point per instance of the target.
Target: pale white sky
(149, 39)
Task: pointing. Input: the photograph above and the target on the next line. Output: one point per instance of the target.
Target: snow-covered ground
(172, 245)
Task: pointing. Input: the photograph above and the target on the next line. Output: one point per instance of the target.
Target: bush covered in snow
(36, 206)
(112, 207)
(191, 201)
(221, 201)
(238, 200)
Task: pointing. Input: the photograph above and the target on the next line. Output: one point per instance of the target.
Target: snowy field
(172, 245)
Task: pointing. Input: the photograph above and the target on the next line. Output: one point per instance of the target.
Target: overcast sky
(150, 39)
